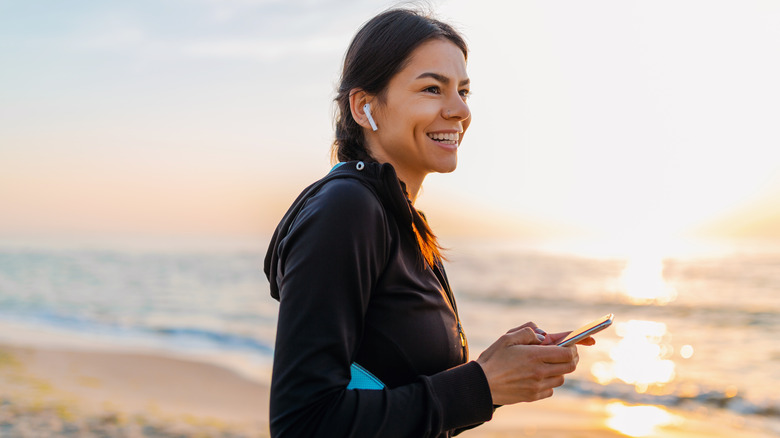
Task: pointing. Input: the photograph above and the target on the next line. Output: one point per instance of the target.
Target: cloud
(266, 49)
(251, 30)
(227, 10)
(125, 37)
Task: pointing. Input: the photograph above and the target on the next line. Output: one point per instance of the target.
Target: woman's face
(424, 114)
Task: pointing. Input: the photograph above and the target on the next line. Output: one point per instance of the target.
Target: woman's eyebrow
(441, 78)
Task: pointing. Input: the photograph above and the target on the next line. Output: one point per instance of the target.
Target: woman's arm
(328, 264)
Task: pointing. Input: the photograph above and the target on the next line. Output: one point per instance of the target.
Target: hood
(381, 178)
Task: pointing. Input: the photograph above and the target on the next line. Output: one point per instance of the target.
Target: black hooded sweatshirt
(353, 287)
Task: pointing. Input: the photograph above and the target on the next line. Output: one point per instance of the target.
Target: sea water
(697, 332)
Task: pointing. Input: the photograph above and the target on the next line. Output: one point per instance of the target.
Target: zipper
(438, 270)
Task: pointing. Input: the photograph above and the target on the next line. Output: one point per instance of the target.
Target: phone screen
(587, 330)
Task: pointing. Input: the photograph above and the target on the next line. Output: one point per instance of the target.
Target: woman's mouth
(448, 138)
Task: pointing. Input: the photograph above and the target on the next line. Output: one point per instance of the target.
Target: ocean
(696, 331)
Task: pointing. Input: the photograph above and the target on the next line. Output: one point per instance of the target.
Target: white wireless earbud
(367, 110)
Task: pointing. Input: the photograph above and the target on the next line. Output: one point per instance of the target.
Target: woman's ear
(360, 107)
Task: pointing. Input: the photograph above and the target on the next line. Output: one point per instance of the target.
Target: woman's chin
(447, 166)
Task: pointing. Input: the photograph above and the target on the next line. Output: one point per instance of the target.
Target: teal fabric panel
(363, 379)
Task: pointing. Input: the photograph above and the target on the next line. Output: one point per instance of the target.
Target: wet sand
(75, 393)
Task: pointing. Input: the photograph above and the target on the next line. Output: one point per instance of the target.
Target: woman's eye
(465, 93)
(433, 89)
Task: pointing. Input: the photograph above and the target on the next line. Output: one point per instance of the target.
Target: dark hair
(380, 49)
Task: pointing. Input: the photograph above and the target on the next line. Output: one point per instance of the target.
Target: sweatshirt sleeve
(328, 263)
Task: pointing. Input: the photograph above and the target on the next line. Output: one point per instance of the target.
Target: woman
(358, 271)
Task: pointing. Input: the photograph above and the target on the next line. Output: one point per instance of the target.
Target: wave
(751, 314)
(682, 398)
(198, 336)
(186, 338)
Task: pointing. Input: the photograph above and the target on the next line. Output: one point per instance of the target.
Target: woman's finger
(558, 337)
(520, 327)
(523, 336)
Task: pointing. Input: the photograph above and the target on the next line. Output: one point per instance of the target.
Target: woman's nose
(456, 108)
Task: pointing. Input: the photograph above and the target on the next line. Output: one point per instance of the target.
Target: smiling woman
(413, 97)
(369, 341)
(423, 114)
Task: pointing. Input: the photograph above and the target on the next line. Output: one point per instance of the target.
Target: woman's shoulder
(349, 189)
(345, 201)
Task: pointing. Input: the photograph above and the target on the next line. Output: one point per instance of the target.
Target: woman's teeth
(448, 138)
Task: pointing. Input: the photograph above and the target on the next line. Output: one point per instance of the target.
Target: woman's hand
(520, 369)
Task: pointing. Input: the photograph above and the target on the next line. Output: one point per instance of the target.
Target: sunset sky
(205, 118)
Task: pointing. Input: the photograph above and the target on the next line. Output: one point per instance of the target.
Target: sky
(203, 119)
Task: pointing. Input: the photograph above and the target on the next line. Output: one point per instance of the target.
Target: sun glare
(640, 358)
(643, 282)
(638, 421)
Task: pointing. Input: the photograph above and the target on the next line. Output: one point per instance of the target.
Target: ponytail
(430, 250)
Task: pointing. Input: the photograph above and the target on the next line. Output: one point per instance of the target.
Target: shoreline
(48, 391)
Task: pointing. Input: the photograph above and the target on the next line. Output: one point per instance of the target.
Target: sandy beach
(50, 392)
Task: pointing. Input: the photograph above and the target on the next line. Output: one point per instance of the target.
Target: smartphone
(587, 330)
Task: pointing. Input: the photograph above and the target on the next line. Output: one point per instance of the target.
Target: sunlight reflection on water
(638, 421)
(640, 358)
(642, 281)
(643, 356)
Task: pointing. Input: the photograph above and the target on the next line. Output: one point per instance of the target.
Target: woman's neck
(412, 186)
(411, 179)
